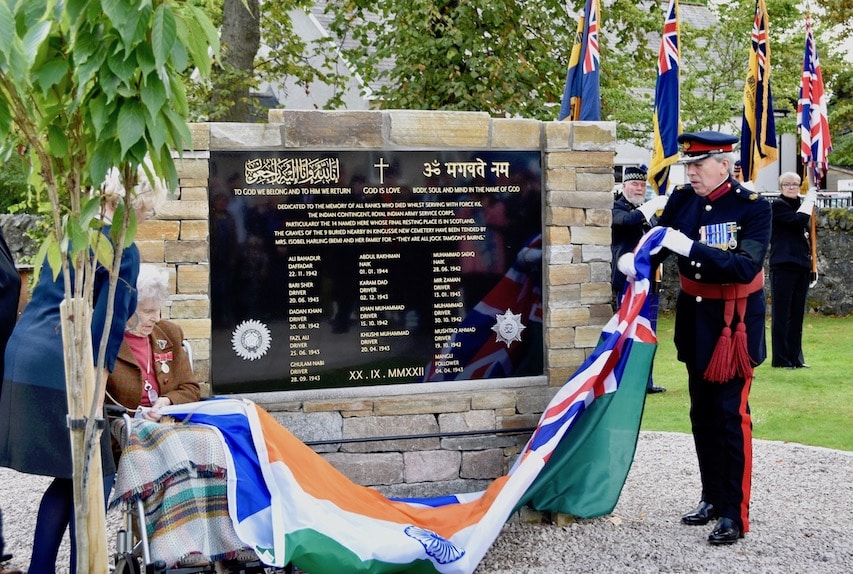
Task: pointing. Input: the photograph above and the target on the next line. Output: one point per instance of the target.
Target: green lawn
(809, 406)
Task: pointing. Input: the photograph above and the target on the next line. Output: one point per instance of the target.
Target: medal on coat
(720, 235)
(163, 359)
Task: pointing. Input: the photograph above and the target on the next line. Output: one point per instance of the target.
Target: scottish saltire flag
(812, 120)
(582, 92)
(497, 335)
(292, 506)
(667, 118)
(758, 128)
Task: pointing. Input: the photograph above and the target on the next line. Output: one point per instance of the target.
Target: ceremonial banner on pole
(292, 506)
(758, 146)
(667, 118)
(812, 120)
(582, 92)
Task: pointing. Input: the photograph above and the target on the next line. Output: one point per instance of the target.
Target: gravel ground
(801, 514)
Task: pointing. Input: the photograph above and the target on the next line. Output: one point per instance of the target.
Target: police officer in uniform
(632, 217)
(720, 232)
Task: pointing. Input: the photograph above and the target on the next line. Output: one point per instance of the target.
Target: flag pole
(813, 230)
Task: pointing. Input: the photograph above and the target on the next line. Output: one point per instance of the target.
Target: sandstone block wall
(436, 437)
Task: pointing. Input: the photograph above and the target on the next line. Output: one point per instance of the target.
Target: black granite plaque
(355, 268)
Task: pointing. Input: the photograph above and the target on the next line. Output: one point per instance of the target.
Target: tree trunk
(240, 39)
(89, 514)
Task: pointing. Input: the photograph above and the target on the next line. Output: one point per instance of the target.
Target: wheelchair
(133, 553)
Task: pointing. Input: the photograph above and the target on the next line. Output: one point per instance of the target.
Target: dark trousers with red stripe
(722, 433)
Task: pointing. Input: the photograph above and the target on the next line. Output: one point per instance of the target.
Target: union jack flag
(758, 132)
(667, 120)
(591, 56)
(812, 118)
(582, 91)
(603, 371)
(668, 54)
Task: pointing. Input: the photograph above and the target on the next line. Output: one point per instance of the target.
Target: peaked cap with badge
(696, 146)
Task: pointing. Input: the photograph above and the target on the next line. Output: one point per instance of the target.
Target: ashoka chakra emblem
(440, 549)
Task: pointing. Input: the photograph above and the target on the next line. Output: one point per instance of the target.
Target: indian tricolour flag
(292, 506)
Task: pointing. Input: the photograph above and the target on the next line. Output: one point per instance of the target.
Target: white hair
(152, 283)
(147, 195)
(789, 175)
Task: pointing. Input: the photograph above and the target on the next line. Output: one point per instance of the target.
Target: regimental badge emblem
(251, 340)
(436, 547)
(508, 327)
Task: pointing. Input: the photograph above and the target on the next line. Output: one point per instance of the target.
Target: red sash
(731, 355)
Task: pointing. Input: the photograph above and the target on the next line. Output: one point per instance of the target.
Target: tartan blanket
(179, 473)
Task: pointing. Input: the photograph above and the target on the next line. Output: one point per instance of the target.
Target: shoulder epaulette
(747, 194)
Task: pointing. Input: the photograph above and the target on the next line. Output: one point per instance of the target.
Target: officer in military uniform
(720, 231)
(632, 217)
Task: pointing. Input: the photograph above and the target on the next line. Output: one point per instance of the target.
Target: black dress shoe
(702, 514)
(725, 532)
(653, 389)
(802, 366)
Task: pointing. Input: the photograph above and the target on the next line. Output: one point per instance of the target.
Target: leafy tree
(502, 56)
(243, 66)
(13, 183)
(509, 58)
(86, 85)
(841, 118)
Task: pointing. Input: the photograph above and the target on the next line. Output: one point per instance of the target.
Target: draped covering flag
(292, 506)
(812, 118)
(667, 119)
(480, 351)
(758, 129)
(582, 92)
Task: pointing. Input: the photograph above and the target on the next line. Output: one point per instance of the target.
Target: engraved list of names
(335, 269)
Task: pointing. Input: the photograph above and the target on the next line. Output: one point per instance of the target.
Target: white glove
(808, 202)
(652, 206)
(625, 264)
(677, 242)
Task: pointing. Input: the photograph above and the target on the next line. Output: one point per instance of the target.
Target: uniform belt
(725, 291)
(731, 354)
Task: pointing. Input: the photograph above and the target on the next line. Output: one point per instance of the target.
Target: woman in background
(790, 270)
(34, 436)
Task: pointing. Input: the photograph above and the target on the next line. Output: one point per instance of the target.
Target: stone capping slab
(436, 129)
(191, 154)
(227, 136)
(305, 129)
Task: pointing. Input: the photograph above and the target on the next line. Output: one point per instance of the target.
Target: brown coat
(125, 382)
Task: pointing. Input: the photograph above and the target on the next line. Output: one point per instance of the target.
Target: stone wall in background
(15, 228)
(831, 295)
